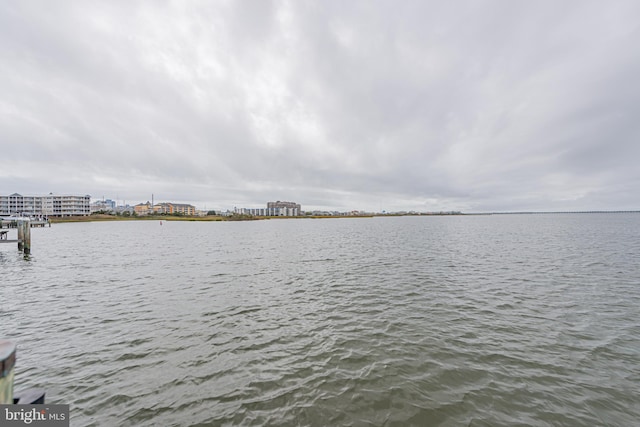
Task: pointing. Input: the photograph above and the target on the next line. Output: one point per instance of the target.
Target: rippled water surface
(466, 320)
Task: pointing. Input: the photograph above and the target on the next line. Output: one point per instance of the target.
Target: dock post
(26, 246)
(7, 362)
(20, 234)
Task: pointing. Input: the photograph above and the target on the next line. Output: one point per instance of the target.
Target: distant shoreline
(552, 212)
(210, 218)
(102, 217)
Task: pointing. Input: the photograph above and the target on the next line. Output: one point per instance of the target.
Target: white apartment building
(284, 208)
(273, 209)
(51, 205)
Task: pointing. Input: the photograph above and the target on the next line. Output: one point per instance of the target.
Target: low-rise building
(177, 208)
(103, 206)
(272, 209)
(142, 208)
(165, 208)
(51, 205)
(283, 209)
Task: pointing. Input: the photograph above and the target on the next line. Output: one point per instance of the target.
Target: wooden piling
(20, 234)
(7, 362)
(23, 226)
(27, 237)
(7, 373)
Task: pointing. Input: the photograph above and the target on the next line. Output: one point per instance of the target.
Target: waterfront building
(175, 208)
(142, 208)
(165, 208)
(124, 209)
(283, 209)
(51, 205)
(103, 205)
(273, 209)
(251, 211)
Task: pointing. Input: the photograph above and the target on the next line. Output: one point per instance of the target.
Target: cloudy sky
(374, 105)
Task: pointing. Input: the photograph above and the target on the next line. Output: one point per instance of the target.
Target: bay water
(487, 320)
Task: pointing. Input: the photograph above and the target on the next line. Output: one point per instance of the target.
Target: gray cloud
(470, 106)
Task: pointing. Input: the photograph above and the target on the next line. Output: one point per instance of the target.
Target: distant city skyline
(473, 106)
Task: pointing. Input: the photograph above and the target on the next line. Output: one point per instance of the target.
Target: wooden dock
(12, 223)
(23, 227)
(4, 238)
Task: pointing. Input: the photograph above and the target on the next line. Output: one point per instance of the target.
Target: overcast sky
(373, 105)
